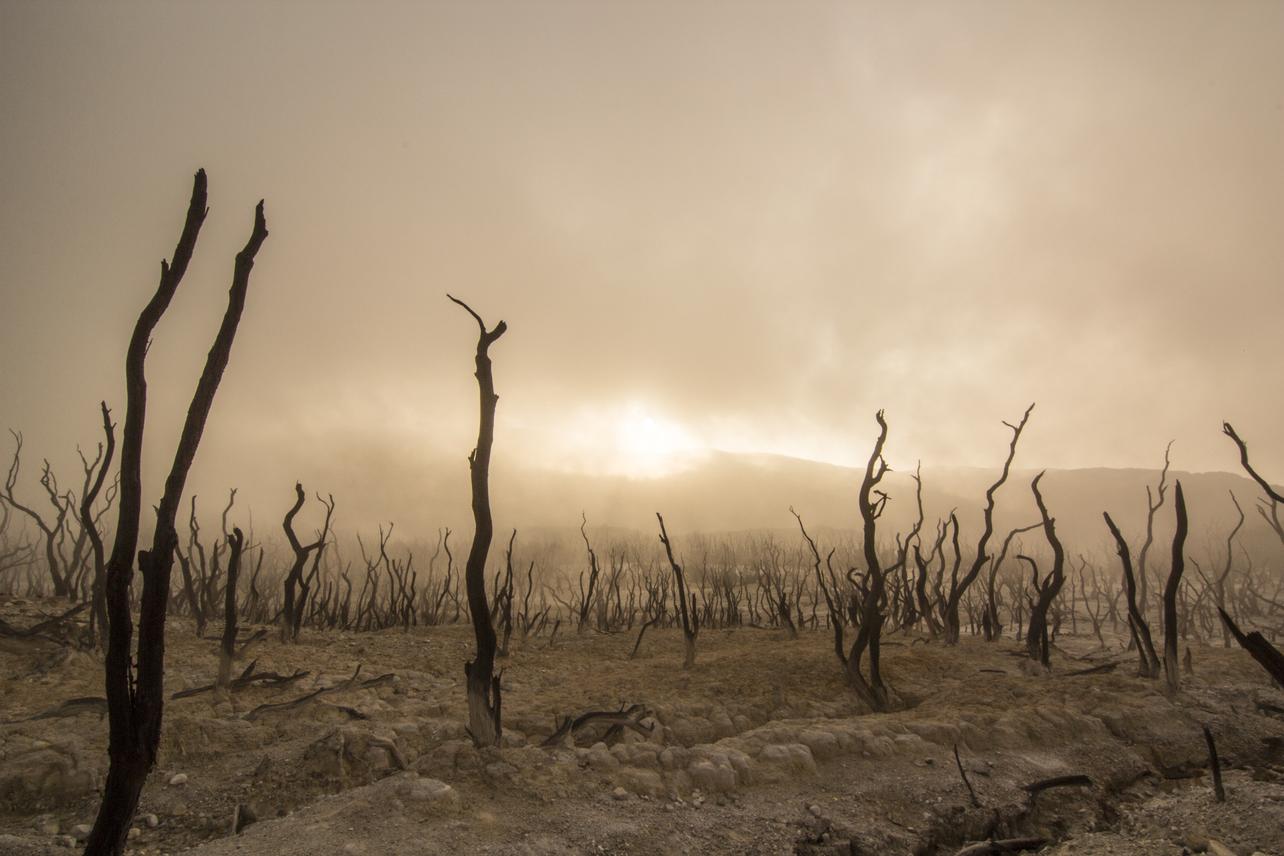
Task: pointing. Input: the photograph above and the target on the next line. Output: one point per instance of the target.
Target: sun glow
(631, 439)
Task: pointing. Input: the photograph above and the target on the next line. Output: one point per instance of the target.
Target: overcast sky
(709, 225)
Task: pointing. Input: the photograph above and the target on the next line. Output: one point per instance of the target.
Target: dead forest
(255, 616)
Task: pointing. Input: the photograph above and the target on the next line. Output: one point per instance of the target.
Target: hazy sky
(731, 225)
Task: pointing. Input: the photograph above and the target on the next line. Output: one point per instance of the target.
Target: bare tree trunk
(1148, 667)
(135, 702)
(690, 618)
(483, 685)
(1172, 669)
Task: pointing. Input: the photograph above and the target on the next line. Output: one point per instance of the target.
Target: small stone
(620, 794)
(65, 841)
(81, 831)
(151, 820)
(178, 779)
(133, 833)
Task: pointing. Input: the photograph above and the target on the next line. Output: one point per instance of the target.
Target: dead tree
(586, 595)
(1219, 582)
(1046, 590)
(1153, 505)
(959, 587)
(871, 502)
(98, 620)
(690, 617)
(1172, 669)
(991, 626)
(484, 698)
(503, 608)
(1269, 512)
(1148, 665)
(235, 544)
(51, 531)
(135, 700)
(13, 555)
(292, 612)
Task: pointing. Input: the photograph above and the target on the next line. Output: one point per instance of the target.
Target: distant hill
(728, 492)
(724, 492)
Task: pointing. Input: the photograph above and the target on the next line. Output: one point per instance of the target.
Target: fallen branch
(976, 803)
(1094, 670)
(39, 629)
(299, 702)
(1005, 845)
(629, 718)
(248, 678)
(1078, 780)
(71, 707)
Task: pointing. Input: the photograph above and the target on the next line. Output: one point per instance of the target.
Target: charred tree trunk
(135, 702)
(1148, 665)
(690, 617)
(483, 685)
(1172, 669)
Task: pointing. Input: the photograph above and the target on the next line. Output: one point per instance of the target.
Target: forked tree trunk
(959, 587)
(1046, 592)
(135, 700)
(484, 701)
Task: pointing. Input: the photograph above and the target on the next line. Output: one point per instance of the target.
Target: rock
(46, 825)
(45, 775)
(81, 831)
(65, 841)
(641, 781)
(814, 809)
(600, 758)
(178, 779)
(151, 820)
(427, 795)
(620, 794)
(713, 774)
(1217, 848)
(133, 833)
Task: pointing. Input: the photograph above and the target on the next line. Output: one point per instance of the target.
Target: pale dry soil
(760, 748)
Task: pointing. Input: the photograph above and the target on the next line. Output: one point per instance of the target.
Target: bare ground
(760, 748)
